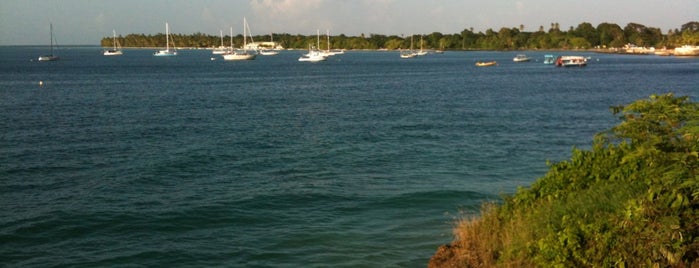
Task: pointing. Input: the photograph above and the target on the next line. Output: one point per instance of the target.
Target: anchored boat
(571, 61)
(486, 63)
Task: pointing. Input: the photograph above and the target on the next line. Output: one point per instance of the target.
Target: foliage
(583, 36)
(632, 200)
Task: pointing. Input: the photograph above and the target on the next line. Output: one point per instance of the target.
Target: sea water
(365, 160)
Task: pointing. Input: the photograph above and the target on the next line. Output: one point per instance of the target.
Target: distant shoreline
(589, 50)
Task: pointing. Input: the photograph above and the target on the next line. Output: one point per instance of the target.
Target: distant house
(264, 45)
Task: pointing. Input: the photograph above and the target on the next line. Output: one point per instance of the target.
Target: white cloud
(286, 8)
(272, 15)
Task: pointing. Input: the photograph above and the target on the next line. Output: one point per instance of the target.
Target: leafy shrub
(632, 200)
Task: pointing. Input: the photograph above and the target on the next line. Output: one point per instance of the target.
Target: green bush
(632, 200)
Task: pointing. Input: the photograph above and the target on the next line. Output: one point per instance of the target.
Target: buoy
(213, 58)
(41, 83)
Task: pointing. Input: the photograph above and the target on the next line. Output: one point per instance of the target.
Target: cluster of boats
(561, 61)
(245, 53)
(315, 54)
(409, 54)
(228, 53)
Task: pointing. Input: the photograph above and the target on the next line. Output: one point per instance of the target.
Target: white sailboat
(221, 49)
(116, 51)
(408, 54)
(167, 51)
(49, 57)
(269, 52)
(332, 52)
(421, 52)
(328, 52)
(314, 55)
(242, 54)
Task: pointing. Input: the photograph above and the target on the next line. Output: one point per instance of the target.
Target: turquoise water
(361, 161)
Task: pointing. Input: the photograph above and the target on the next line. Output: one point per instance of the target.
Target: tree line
(584, 36)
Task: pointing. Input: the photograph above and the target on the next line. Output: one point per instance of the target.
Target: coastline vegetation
(584, 36)
(632, 200)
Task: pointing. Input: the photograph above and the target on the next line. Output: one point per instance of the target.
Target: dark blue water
(361, 161)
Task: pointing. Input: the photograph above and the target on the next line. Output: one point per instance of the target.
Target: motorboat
(486, 63)
(269, 52)
(571, 61)
(313, 55)
(521, 58)
(549, 59)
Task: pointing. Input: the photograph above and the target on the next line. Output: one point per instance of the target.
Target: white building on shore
(264, 45)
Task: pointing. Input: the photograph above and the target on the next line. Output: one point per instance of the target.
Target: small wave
(437, 197)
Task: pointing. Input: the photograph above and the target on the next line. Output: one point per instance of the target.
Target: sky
(85, 22)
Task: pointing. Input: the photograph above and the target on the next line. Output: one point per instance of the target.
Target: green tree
(588, 32)
(692, 26)
(433, 40)
(689, 34)
(611, 35)
(469, 38)
(505, 38)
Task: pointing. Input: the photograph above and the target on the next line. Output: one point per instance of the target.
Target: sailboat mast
(318, 34)
(245, 33)
(114, 39)
(167, 36)
(411, 42)
(51, 35)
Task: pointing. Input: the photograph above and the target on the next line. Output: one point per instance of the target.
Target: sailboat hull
(113, 53)
(313, 57)
(48, 58)
(165, 53)
(234, 56)
(269, 52)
